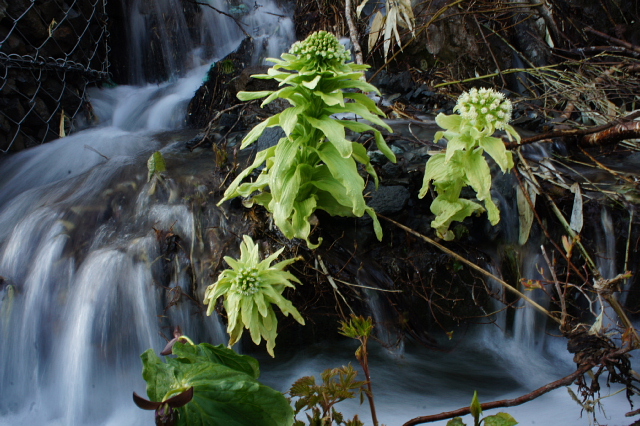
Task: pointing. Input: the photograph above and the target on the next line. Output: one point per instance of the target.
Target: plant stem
(363, 358)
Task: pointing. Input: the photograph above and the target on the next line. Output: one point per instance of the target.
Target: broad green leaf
(449, 122)
(340, 203)
(334, 132)
(496, 149)
(345, 171)
(456, 421)
(223, 396)
(283, 165)
(355, 84)
(289, 118)
(493, 213)
(335, 98)
(255, 133)
(438, 170)
(287, 93)
(455, 144)
(360, 110)
(313, 83)
(356, 126)
(478, 173)
(383, 147)
(500, 419)
(261, 157)
(205, 352)
(361, 156)
(511, 132)
(302, 210)
(158, 376)
(366, 101)
(249, 96)
(284, 195)
(155, 165)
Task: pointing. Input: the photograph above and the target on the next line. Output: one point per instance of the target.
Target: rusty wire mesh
(50, 50)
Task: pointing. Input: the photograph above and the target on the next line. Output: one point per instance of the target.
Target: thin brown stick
(572, 132)
(472, 265)
(565, 381)
(614, 40)
(238, 23)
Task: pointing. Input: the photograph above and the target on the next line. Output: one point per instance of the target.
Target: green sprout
(469, 136)
(250, 289)
(314, 166)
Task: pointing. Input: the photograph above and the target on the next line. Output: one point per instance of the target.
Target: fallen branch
(614, 40)
(612, 135)
(565, 381)
(573, 132)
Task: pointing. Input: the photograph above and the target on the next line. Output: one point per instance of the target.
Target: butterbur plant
(250, 289)
(314, 166)
(469, 136)
(209, 385)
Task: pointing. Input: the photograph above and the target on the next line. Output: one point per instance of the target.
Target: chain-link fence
(50, 50)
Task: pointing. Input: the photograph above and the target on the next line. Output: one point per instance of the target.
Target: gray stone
(269, 138)
(388, 199)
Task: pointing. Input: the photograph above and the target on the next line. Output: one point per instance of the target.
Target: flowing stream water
(86, 245)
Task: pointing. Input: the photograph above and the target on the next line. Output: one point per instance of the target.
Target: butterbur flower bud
(321, 48)
(485, 108)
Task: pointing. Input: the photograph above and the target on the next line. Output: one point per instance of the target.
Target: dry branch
(565, 381)
(613, 134)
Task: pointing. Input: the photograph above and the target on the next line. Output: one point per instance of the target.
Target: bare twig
(455, 255)
(565, 381)
(238, 23)
(614, 40)
(572, 132)
(613, 134)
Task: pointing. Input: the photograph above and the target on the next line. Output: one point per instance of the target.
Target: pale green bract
(314, 166)
(469, 136)
(250, 289)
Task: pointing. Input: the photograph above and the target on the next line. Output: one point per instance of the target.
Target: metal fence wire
(50, 50)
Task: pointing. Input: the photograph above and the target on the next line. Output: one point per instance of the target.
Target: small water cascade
(97, 264)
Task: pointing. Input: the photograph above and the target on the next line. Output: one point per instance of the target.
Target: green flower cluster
(320, 51)
(314, 167)
(250, 288)
(484, 108)
(470, 137)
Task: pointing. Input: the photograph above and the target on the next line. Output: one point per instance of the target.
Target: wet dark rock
(394, 82)
(269, 138)
(223, 81)
(388, 200)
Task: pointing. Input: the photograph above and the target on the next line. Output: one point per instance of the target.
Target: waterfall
(96, 263)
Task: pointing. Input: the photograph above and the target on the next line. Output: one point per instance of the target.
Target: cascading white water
(90, 277)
